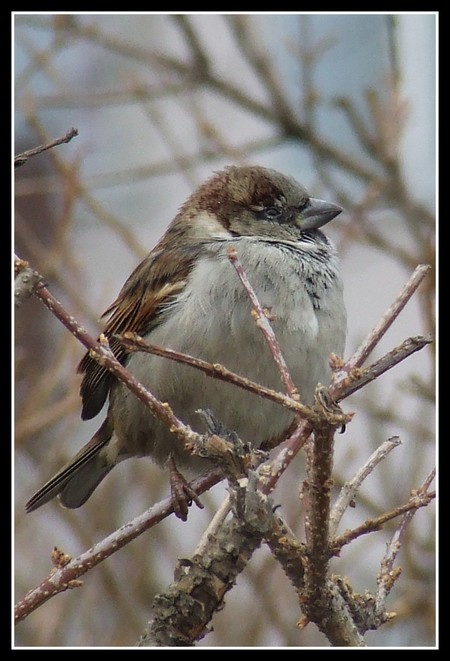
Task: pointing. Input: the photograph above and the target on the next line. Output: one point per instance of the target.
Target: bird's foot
(182, 494)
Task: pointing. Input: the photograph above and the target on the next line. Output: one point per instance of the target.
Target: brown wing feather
(152, 285)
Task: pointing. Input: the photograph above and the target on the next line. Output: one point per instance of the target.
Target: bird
(186, 296)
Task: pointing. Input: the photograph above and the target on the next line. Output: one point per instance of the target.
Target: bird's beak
(317, 213)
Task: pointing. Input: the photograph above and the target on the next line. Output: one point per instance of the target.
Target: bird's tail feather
(75, 482)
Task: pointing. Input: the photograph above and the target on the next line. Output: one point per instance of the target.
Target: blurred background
(345, 103)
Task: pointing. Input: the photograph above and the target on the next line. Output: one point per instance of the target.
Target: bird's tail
(76, 481)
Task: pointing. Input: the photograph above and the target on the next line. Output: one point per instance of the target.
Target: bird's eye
(272, 212)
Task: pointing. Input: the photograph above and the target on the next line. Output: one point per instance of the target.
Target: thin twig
(110, 220)
(348, 491)
(270, 473)
(214, 525)
(391, 314)
(358, 378)
(66, 577)
(133, 342)
(22, 158)
(100, 351)
(262, 321)
(371, 525)
(387, 574)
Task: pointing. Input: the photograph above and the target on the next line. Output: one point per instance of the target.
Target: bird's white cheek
(206, 226)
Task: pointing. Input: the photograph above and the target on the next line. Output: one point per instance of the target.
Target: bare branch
(199, 587)
(22, 158)
(94, 206)
(338, 623)
(388, 574)
(64, 577)
(371, 525)
(271, 473)
(133, 342)
(182, 613)
(358, 378)
(100, 351)
(360, 355)
(350, 488)
(261, 318)
(321, 603)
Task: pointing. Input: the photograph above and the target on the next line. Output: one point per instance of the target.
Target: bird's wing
(152, 286)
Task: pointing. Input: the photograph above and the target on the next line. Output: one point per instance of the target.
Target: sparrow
(186, 296)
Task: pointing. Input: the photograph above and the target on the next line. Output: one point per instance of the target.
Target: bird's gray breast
(211, 319)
